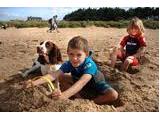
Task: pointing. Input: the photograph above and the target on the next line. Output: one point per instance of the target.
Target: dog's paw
(24, 75)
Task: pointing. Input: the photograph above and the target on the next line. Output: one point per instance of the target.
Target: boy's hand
(56, 94)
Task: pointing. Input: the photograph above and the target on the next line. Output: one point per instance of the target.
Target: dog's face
(49, 49)
(45, 47)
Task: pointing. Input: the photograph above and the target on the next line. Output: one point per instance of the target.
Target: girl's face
(134, 31)
(76, 56)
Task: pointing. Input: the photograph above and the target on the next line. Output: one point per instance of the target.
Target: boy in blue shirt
(84, 74)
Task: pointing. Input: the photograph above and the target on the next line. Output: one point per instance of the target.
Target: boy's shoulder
(89, 62)
(89, 59)
(89, 66)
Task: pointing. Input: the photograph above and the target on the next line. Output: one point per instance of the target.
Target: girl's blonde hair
(80, 43)
(136, 22)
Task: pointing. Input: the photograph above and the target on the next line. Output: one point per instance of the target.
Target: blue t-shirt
(87, 67)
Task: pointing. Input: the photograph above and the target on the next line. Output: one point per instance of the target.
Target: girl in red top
(132, 46)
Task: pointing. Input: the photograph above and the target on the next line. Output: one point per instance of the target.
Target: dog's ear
(55, 55)
(38, 49)
(59, 56)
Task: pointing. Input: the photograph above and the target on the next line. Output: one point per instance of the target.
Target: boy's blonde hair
(136, 22)
(80, 43)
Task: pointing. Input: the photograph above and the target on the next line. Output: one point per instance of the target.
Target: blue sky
(60, 7)
(11, 13)
(21, 13)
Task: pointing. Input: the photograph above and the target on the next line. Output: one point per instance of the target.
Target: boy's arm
(51, 76)
(76, 87)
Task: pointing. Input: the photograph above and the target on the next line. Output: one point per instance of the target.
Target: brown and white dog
(49, 59)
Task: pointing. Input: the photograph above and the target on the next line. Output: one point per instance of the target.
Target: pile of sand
(33, 99)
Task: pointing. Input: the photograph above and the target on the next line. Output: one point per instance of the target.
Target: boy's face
(76, 56)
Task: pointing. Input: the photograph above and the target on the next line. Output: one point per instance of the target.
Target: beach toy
(50, 84)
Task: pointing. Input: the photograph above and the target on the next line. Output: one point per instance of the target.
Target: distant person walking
(53, 24)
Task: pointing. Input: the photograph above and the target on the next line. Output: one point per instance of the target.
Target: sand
(138, 91)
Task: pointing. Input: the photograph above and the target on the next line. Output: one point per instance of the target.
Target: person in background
(53, 24)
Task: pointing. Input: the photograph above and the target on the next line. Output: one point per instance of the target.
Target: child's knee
(114, 95)
(132, 61)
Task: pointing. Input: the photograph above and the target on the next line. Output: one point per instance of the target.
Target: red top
(132, 44)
